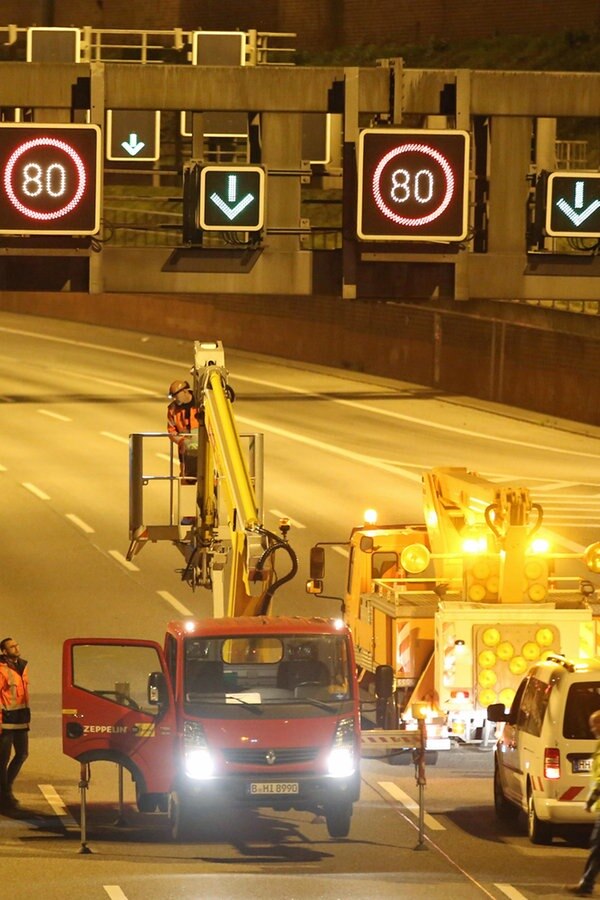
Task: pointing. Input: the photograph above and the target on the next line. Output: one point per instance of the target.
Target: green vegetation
(571, 51)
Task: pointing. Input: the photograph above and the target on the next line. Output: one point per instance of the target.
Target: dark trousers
(592, 866)
(16, 740)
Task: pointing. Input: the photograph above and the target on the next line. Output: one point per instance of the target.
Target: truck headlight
(341, 762)
(198, 762)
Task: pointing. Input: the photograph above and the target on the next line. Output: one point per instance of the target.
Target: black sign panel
(412, 185)
(49, 178)
(573, 204)
(232, 198)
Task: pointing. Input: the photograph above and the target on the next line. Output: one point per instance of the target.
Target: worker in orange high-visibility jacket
(183, 419)
(15, 717)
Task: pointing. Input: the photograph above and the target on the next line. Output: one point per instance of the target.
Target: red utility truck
(251, 710)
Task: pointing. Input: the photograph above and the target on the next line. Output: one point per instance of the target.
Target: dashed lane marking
(80, 523)
(115, 437)
(394, 791)
(122, 561)
(511, 891)
(35, 490)
(343, 551)
(57, 804)
(54, 415)
(114, 892)
(175, 603)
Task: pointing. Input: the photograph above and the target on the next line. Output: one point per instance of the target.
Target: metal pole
(121, 821)
(83, 786)
(421, 782)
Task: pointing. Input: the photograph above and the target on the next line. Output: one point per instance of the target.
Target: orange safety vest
(182, 420)
(14, 695)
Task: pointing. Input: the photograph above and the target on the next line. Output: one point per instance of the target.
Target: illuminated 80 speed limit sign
(49, 179)
(412, 185)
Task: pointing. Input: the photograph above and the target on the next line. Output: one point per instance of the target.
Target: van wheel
(338, 817)
(146, 803)
(504, 809)
(538, 832)
(181, 817)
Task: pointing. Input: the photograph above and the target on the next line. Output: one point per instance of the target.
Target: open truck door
(118, 707)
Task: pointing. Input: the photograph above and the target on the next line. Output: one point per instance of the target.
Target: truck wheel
(338, 817)
(181, 817)
(538, 832)
(504, 809)
(146, 803)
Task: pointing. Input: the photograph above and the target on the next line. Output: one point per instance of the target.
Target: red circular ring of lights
(44, 142)
(413, 148)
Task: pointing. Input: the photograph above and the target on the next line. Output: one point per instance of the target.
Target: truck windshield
(250, 674)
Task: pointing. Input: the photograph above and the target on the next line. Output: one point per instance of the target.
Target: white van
(543, 755)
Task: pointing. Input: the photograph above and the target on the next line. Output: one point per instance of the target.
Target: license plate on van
(582, 765)
(274, 787)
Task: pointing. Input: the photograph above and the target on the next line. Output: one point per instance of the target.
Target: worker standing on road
(592, 804)
(183, 419)
(15, 712)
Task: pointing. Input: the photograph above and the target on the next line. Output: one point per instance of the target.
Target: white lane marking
(511, 891)
(80, 523)
(281, 515)
(175, 603)
(56, 804)
(163, 456)
(3, 468)
(124, 562)
(35, 490)
(343, 551)
(427, 423)
(560, 540)
(120, 384)
(395, 792)
(361, 458)
(115, 437)
(54, 415)
(114, 892)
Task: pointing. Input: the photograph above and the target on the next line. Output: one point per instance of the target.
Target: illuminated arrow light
(232, 212)
(577, 218)
(132, 146)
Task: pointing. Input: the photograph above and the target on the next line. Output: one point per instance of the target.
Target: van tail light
(552, 762)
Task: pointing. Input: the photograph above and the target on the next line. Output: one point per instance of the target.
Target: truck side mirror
(317, 564)
(157, 689)
(496, 713)
(384, 681)
(366, 543)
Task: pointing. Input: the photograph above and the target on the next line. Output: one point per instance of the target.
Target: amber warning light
(49, 177)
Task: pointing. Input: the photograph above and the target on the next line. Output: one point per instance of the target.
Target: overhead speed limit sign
(412, 185)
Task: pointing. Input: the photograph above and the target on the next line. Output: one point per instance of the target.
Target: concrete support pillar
(282, 149)
(510, 159)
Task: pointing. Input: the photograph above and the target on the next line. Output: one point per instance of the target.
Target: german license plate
(274, 787)
(582, 765)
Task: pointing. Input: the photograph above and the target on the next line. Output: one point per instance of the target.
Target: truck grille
(283, 756)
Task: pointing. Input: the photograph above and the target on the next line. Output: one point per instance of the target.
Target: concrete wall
(321, 24)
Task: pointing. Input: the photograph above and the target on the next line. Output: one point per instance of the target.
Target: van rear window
(582, 700)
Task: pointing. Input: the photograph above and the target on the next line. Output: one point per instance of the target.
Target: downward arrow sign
(231, 211)
(132, 146)
(575, 217)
